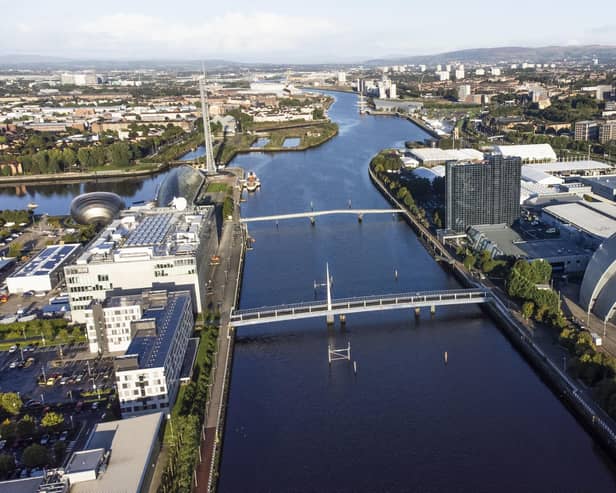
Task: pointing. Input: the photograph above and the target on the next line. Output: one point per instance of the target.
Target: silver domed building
(598, 291)
(183, 181)
(96, 207)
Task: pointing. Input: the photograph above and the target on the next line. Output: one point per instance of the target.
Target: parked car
(12, 349)
(44, 439)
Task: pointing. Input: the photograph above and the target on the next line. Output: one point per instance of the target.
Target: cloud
(234, 34)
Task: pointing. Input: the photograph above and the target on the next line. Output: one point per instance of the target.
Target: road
(225, 279)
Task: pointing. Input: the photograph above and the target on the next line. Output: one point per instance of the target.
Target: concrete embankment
(590, 415)
(80, 177)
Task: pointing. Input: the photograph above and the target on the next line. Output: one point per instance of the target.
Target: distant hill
(514, 54)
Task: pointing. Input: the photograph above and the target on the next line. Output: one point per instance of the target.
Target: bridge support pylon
(417, 312)
(312, 221)
(360, 217)
(342, 319)
(432, 309)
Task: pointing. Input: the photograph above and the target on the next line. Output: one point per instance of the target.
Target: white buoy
(445, 357)
(355, 367)
(396, 274)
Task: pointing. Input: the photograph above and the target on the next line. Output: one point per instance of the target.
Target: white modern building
(160, 248)
(109, 323)
(148, 374)
(44, 271)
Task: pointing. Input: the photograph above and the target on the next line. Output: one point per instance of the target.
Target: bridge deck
(313, 214)
(360, 304)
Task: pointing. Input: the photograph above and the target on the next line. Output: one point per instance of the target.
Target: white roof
(436, 154)
(533, 174)
(569, 166)
(598, 218)
(528, 152)
(132, 444)
(428, 173)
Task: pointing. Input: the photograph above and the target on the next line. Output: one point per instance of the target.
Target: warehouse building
(148, 374)
(431, 156)
(119, 456)
(500, 240)
(528, 153)
(593, 222)
(604, 186)
(44, 271)
(160, 248)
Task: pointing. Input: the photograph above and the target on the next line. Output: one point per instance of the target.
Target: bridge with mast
(330, 308)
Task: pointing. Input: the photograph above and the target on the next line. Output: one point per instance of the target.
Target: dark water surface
(406, 421)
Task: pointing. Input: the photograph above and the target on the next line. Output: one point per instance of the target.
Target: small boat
(32, 205)
(252, 182)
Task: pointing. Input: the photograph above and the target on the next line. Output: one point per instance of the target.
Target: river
(406, 421)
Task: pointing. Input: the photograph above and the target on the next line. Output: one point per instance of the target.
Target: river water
(406, 421)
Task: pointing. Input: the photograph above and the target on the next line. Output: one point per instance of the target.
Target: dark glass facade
(483, 193)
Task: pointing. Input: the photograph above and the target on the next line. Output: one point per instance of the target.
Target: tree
(52, 420)
(119, 154)
(7, 465)
(436, 218)
(25, 427)
(469, 261)
(69, 157)
(11, 402)
(35, 456)
(59, 449)
(527, 309)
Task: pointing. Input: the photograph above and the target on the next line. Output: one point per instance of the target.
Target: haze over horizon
(280, 31)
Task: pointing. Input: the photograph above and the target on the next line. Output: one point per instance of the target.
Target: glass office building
(482, 193)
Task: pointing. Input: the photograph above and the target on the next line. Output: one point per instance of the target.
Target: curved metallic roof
(183, 181)
(598, 291)
(96, 207)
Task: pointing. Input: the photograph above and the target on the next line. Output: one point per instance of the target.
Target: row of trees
(184, 431)
(50, 329)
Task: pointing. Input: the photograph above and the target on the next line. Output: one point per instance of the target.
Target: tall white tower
(210, 166)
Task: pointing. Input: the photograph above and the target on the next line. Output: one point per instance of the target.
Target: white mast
(210, 166)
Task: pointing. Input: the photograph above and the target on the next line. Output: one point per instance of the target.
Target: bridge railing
(412, 296)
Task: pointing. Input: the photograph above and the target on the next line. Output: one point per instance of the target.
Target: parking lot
(56, 374)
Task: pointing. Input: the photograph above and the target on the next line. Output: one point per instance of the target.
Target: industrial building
(604, 186)
(118, 456)
(593, 221)
(500, 240)
(148, 374)
(44, 271)
(598, 291)
(431, 156)
(482, 193)
(163, 248)
(528, 153)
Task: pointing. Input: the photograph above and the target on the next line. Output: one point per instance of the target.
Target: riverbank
(227, 283)
(77, 177)
(589, 414)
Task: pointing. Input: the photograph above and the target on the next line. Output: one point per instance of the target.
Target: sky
(316, 31)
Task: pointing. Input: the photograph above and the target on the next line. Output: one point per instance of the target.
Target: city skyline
(282, 32)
